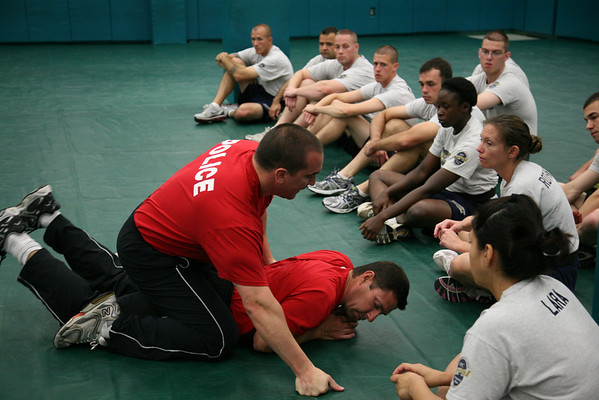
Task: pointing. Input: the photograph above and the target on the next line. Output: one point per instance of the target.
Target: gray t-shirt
(396, 93)
(536, 342)
(273, 70)
(359, 74)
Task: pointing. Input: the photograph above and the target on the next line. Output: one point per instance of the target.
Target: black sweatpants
(192, 318)
(94, 270)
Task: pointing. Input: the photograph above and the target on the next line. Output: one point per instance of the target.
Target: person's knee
(460, 267)
(247, 113)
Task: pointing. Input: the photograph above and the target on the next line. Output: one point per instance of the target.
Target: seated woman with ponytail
(537, 341)
(505, 145)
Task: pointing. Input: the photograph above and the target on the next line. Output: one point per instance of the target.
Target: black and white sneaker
(333, 184)
(35, 204)
(10, 222)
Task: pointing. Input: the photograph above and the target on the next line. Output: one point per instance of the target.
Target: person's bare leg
(359, 130)
(460, 270)
(331, 131)
(427, 213)
(319, 123)
(381, 180)
(248, 112)
(226, 86)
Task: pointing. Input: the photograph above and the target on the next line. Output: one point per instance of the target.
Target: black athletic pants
(192, 318)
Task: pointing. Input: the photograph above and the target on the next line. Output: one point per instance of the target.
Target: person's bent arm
(487, 100)
(585, 181)
(339, 109)
(239, 72)
(268, 319)
(377, 125)
(319, 89)
(295, 82)
(418, 134)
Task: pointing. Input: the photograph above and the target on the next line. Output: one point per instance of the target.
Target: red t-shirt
(308, 287)
(210, 211)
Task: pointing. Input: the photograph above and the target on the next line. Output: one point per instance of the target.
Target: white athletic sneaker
(256, 137)
(85, 327)
(443, 259)
(365, 210)
(211, 113)
(229, 108)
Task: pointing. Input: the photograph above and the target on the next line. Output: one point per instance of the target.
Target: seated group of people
(194, 272)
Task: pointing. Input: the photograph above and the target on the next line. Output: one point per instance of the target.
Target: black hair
(388, 276)
(286, 146)
(440, 64)
(513, 226)
(463, 88)
(329, 30)
(592, 98)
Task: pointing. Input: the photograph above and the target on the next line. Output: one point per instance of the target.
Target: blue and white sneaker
(331, 185)
(346, 202)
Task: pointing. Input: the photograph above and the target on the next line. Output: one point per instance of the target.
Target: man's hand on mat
(316, 382)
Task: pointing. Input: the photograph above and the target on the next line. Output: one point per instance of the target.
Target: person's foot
(365, 210)
(257, 137)
(393, 231)
(212, 113)
(229, 108)
(346, 202)
(85, 327)
(443, 259)
(36, 204)
(453, 291)
(331, 185)
(10, 222)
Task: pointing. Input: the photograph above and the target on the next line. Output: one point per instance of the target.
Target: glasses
(493, 53)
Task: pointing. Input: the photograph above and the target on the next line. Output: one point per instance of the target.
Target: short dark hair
(513, 131)
(592, 98)
(440, 64)
(463, 88)
(388, 276)
(286, 146)
(513, 226)
(328, 30)
(498, 35)
(388, 50)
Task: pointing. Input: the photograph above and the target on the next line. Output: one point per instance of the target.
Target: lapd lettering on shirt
(205, 175)
(554, 302)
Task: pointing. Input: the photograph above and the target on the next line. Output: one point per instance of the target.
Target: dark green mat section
(106, 124)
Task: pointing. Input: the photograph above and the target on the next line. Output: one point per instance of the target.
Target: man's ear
(367, 276)
(280, 174)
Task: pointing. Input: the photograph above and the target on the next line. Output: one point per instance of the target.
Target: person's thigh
(427, 213)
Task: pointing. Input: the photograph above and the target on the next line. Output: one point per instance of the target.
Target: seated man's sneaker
(257, 137)
(331, 185)
(35, 204)
(211, 113)
(346, 202)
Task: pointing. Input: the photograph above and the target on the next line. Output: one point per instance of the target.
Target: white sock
(340, 175)
(20, 246)
(216, 104)
(46, 219)
(361, 193)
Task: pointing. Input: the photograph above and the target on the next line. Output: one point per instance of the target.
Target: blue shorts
(463, 205)
(255, 93)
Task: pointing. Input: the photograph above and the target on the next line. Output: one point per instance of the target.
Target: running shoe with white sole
(35, 204)
(455, 292)
(393, 231)
(211, 113)
(331, 185)
(443, 259)
(257, 137)
(346, 202)
(85, 327)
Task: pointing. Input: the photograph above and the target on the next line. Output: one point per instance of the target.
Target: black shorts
(255, 93)
(463, 205)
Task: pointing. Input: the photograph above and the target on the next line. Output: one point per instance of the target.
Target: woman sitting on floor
(537, 341)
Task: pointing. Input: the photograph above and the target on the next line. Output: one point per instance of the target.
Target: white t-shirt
(421, 109)
(514, 94)
(315, 60)
(273, 70)
(510, 65)
(458, 155)
(359, 74)
(595, 164)
(536, 342)
(535, 181)
(396, 93)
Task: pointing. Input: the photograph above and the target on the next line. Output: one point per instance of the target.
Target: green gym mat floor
(105, 124)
